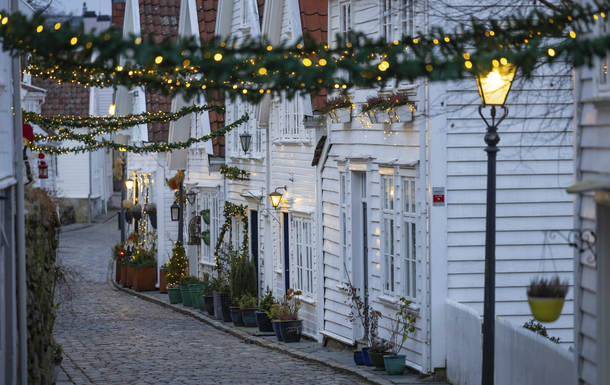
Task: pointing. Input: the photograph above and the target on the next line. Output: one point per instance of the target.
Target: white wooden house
(591, 213)
(381, 230)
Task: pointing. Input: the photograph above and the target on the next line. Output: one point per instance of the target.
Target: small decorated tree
(177, 267)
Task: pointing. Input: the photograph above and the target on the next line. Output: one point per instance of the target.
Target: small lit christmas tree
(177, 267)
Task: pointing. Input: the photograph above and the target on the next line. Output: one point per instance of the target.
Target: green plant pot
(206, 216)
(174, 295)
(395, 365)
(195, 289)
(546, 309)
(377, 360)
(206, 238)
(186, 295)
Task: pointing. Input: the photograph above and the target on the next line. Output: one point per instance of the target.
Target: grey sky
(76, 6)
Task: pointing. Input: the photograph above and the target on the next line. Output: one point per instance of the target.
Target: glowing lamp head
(129, 184)
(112, 109)
(494, 85)
(276, 197)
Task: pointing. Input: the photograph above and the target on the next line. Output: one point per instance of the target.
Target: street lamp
(245, 139)
(493, 87)
(276, 197)
(175, 211)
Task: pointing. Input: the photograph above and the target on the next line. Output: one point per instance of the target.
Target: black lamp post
(493, 89)
(245, 140)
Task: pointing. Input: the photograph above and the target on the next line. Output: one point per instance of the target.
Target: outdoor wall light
(112, 109)
(276, 197)
(190, 196)
(175, 211)
(245, 139)
(129, 184)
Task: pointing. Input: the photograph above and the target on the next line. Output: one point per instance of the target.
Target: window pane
(413, 196)
(391, 181)
(407, 202)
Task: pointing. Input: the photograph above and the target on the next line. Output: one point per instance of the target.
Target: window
(343, 225)
(604, 78)
(399, 235)
(244, 13)
(303, 243)
(345, 19)
(407, 16)
(388, 232)
(234, 112)
(210, 201)
(409, 238)
(236, 229)
(386, 19)
(287, 120)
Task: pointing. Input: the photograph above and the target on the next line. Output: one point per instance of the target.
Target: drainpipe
(90, 186)
(19, 217)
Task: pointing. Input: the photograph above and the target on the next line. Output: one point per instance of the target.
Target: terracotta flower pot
(162, 283)
(144, 278)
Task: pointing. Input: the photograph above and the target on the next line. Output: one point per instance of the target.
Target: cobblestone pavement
(110, 337)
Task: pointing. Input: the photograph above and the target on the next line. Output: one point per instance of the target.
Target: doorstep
(306, 349)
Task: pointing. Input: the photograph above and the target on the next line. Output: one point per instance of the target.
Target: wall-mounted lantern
(276, 197)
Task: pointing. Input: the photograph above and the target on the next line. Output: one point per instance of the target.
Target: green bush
(267, 301)
(242, 276)
(177, 266)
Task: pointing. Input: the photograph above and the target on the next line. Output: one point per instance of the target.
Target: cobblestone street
(110, 337)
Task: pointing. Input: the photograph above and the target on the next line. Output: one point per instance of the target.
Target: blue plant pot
(276, 329)
(365, 356)
(358, 358)
(395, 365)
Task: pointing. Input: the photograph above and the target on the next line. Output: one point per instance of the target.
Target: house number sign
(438, 196)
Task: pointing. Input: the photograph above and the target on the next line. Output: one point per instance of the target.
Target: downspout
(424, 171)
(90, 187)
(19, 217)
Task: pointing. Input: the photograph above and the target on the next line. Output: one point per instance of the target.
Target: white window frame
(288, 121)
(210, 201)
(345, 18)
(244, 14)
(407, 17)
(343, 226)
(236, 232)
(235, 110)
(399, 234)
(303, 255)
(385, 18)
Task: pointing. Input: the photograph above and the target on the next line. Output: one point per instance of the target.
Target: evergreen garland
(233, 173)
(232, 210)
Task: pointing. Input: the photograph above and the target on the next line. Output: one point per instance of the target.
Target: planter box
(401, 114)
(144, 278)
(378, 116)
(162, 283)
(118, 270)
(208, 301)
(127, 276)
(340, 115)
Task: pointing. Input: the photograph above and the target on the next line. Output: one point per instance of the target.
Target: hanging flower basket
(206, 237)
(205, 214)
(338, 109)
(546, 298)
(136, 211)
(401, 114)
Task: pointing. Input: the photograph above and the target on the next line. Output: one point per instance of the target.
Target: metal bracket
(582, 240)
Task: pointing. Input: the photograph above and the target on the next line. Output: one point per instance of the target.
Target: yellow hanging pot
(546, 309)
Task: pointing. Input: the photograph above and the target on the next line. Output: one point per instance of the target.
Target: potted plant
(274, 315)
(401, 109)
(248, 305)
(177, 267)
(262, 319)
(185, 289)
(546, 298)
(136, 212)
(376, 108)
(208, 298)
(127, 272)
(378, 347)
(118, 252)
(365, 315)
(338, 109)
(242, 279)
(222, 298)
(196, 288)
(402, 324)
(145, 272)
(56, 361)
(291, 327)
(127, 204)
(162, 281)
(205, 214)
(206, 237)
(151, 211)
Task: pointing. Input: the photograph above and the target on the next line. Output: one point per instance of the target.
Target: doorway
(254, 244)
(360, 248)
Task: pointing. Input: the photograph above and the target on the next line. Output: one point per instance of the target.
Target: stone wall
(41, 239)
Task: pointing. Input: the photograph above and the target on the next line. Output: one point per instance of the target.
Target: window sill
(292, 142)
(392, 302)
(309, 301)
